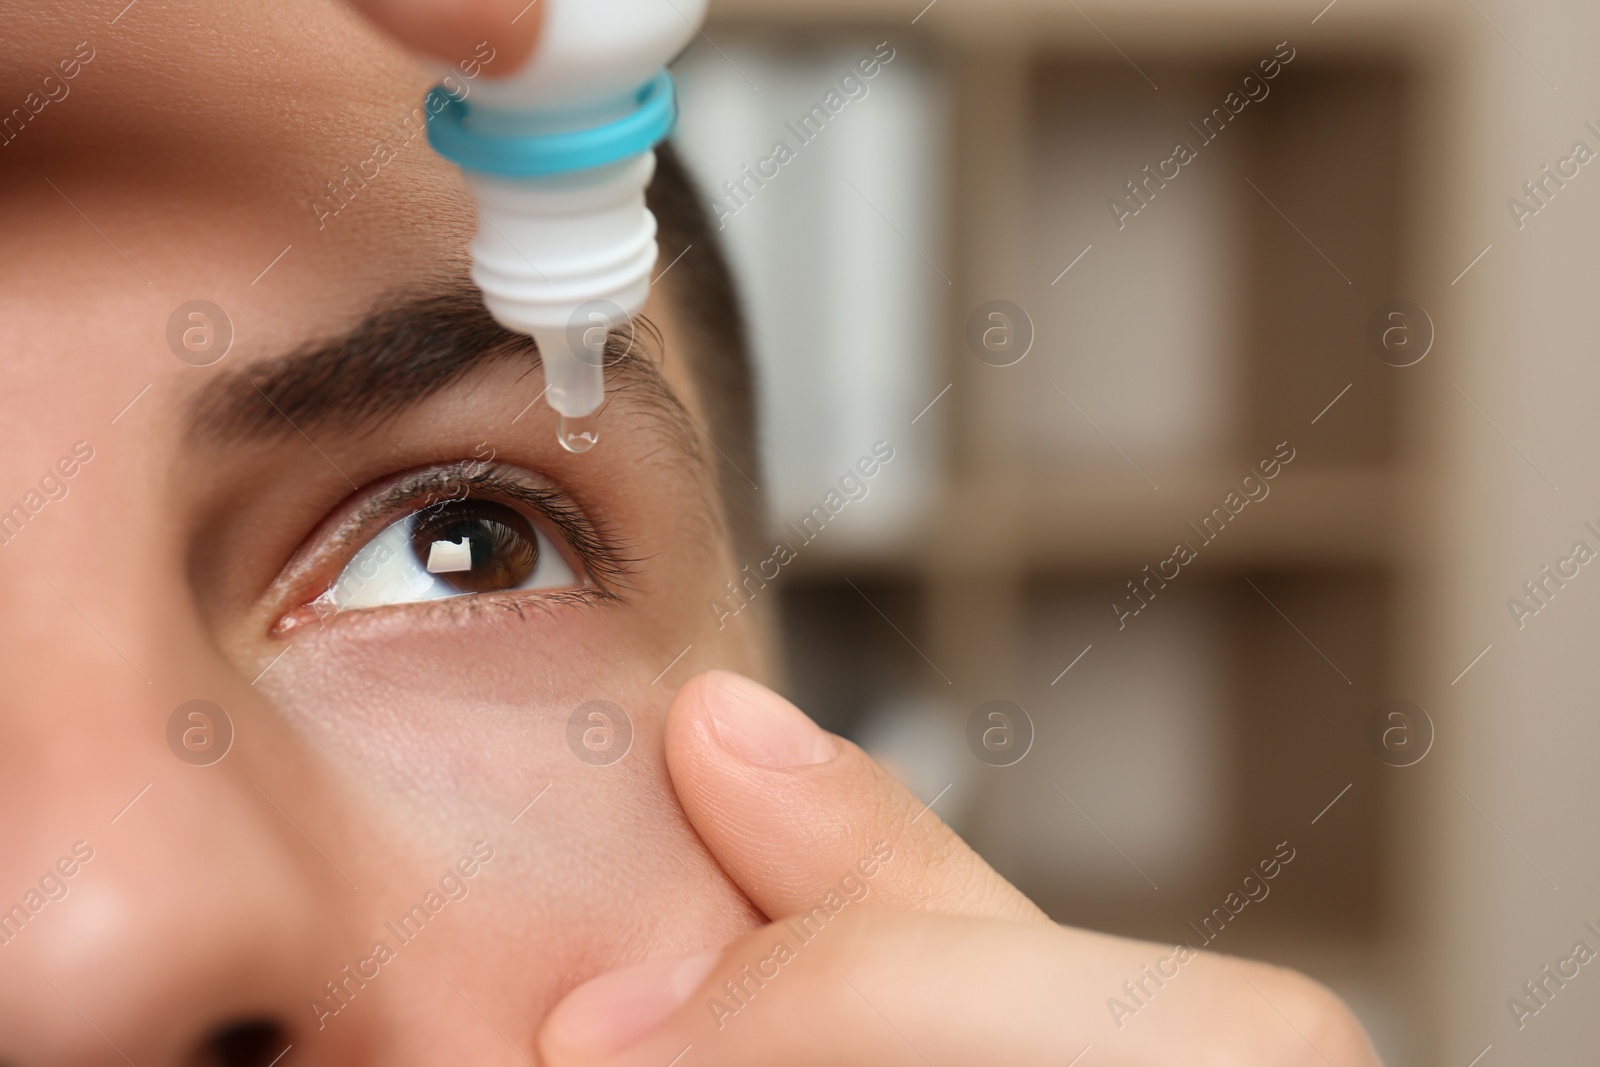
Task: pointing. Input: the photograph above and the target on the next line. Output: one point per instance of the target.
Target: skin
(449, 29)
(383, 746)
(375, 750)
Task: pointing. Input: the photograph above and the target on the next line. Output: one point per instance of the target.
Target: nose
(154, 909)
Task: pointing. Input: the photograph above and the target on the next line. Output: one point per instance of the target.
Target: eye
(455, 548)
(484, 532)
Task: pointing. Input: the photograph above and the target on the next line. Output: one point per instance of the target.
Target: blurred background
(1078, 341)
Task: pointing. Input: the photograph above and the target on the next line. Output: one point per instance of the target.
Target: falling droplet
(578, 433)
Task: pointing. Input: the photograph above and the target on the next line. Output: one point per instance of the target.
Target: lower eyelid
(468, 608)
(520, 603)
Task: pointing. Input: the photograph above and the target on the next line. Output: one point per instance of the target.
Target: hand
(451, 30)
(893, 942)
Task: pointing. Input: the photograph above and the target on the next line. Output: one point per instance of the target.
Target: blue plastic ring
(550, 153)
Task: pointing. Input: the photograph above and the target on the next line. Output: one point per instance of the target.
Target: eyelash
(601, 554)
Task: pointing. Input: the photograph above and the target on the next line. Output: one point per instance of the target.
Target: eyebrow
(407, 350)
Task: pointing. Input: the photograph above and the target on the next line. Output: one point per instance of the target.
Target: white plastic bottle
(558, 156)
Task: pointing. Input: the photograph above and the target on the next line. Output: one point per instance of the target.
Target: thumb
(453, 30)
(798, 816)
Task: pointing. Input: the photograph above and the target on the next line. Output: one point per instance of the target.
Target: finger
(805, 821)
(457, 30)
(899, 987)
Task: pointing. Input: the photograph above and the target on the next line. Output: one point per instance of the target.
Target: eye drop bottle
(557, 157)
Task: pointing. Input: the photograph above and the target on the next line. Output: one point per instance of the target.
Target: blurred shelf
(1189, 27)
(1215, 725)
(1310, 517)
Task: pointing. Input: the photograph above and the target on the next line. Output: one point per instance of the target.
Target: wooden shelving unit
(1295, 610)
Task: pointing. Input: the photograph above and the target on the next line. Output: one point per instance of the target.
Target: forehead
(184, 156)
(251, 113)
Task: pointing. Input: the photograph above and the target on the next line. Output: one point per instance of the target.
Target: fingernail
(615, 1010)
(761, 727)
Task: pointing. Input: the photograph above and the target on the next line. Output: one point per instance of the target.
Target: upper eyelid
(381, 508)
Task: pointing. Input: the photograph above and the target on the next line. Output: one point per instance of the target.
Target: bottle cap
(537, 155)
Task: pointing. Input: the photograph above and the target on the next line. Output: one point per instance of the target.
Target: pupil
(504, 549)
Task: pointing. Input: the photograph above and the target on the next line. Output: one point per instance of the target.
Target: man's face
(408, 849)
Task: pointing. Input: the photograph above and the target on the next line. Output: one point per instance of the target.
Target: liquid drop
(578, 434)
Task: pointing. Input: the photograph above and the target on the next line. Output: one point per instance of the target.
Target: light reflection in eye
(462, 546)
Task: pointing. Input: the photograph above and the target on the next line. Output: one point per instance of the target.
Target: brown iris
(504, 547)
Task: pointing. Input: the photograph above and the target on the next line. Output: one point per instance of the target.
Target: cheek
(457, 710)
(447, 734)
